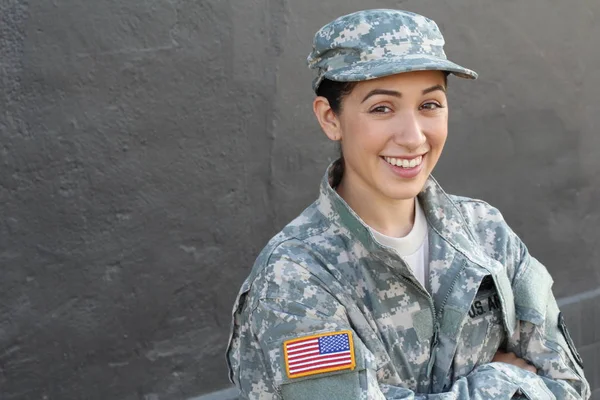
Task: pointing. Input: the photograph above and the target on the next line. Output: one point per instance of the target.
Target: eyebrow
(394, 93)
(434, 88)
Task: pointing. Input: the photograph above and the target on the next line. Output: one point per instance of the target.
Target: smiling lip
(403, 172)
(406, 157)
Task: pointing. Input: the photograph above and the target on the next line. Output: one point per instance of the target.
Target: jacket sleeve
(541, 336)
(298, 305)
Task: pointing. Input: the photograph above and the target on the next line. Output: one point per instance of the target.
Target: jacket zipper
(434, 344)
(436, 326)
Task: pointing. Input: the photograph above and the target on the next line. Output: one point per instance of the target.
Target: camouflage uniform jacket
(325, 273)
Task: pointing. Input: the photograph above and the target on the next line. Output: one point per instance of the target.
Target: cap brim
(372, 69)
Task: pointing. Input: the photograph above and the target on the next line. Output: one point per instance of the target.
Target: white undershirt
(412, 248)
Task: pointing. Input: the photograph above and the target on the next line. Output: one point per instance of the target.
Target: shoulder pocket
(532, 289)
(327, 387)
(315, 355)
(324, 364)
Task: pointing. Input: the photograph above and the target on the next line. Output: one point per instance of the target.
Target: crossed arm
(533, 367)
(539, 362)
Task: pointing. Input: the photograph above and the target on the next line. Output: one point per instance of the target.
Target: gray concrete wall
(149, 149)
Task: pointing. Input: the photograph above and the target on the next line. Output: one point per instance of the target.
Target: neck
(391, 217)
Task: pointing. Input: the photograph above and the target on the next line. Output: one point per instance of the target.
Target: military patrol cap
(373, 43)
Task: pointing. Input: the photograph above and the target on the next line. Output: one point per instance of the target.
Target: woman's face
(392, 132)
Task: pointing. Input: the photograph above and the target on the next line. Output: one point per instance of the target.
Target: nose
(409, 133)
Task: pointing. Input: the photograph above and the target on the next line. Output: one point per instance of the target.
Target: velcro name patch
(316, 354)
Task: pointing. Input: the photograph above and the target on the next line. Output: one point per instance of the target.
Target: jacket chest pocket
(482, 334)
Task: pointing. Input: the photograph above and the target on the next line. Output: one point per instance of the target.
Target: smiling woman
(386, 286)
(392, 131)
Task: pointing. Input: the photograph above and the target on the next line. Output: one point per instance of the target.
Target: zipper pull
(434, 343)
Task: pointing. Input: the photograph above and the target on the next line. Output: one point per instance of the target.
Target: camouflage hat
(374, 43)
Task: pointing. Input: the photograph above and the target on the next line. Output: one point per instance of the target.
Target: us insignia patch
(316, 354)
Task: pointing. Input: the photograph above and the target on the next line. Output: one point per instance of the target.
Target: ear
(328, 120)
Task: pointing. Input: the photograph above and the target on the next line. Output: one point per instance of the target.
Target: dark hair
(335, 92)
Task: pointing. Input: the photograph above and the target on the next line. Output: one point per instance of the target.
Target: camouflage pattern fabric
(325, 272)
(374, 43)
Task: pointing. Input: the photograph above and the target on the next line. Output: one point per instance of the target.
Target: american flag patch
(319, 353)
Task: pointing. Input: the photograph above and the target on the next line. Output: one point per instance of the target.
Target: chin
(404, 194)
(404, 190)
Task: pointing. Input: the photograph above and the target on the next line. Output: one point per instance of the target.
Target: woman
(387, 287)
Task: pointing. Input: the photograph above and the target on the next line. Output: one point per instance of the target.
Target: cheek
(437, 132)
(361, 135)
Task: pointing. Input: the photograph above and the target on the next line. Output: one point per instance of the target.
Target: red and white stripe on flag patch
(316, 354)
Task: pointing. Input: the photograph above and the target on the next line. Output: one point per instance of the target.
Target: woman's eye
(431, 106)
(381, 110)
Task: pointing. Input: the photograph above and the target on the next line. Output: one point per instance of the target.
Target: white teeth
(403, 162)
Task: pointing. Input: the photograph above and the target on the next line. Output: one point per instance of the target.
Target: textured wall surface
(149, 149)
